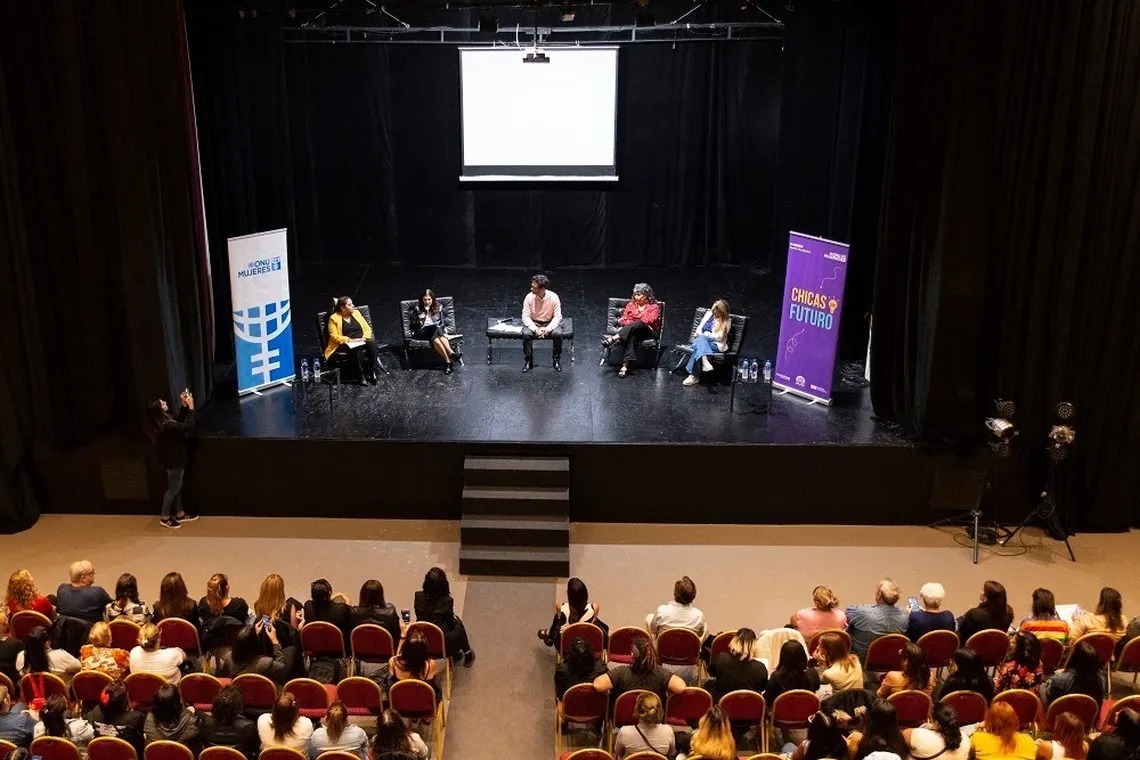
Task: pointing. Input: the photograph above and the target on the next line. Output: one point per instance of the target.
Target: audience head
(684, 591)
(643, 289)
(217, 591)
(320, 591)
(435, 584)
(1105, 747)
(993, 598)
(824, 599)
(539, 283)
(149, 637)
(391, 734)
(577, 597)
(414, 653)
(114, 700)
(270, 597)
(126, 589)
(36, 647)
(648, 709)
(887, 592)
(173, 597)
(1128, 728)
(825, 738)
(228, 705)
(156, 415)
(882, 734)
(833, 649)
(1084, 665)
(283, 716)
(167, 705)
(713, 737)
(1044, 606)
(428, 302)
(1069, 732)
(372, 594)
(5, 700)
(947, 726)
(1110, 606)
(1026, 650)
(1001, 721)
(580, 657)
(932, 596)
(82, 573)
(100, 635)
(914, 666)
(54, 715)
(22, 589)
(743, 645)
(246, 646)
(643, 655)
(336, 717)
(20, 753)
(720, 310)
(793, 657)
(968, 665)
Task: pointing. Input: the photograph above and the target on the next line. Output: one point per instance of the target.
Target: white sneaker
(691, 380)
(706, 365)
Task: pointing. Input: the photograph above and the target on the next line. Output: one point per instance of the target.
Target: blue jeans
(702, 346)
(173, 495)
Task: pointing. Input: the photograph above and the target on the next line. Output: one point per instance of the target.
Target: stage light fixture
(1061, 436)
(1002, 427)
(488, 24)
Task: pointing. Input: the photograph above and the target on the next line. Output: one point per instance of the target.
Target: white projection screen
(533, 122)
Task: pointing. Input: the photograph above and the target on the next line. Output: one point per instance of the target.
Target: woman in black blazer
(434, 605)
(426, 322)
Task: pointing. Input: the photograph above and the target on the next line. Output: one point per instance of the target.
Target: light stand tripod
(971, 519)
(1045, 511)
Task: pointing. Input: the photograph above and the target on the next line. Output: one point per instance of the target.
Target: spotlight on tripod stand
(1002, 427)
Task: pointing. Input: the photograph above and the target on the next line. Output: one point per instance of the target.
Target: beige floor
(745, 575)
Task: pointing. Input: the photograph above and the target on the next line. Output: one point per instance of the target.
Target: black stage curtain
(1008, 264)
(104, 297)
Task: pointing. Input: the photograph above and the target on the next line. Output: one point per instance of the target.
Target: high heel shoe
(447, 369)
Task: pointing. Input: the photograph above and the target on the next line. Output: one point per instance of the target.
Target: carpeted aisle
(503, 706)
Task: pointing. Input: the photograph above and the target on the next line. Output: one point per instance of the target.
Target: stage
(396, 449)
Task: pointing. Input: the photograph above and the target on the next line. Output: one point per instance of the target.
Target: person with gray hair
(81, 598)
(867, 622)
(641, 320)
(929, 616)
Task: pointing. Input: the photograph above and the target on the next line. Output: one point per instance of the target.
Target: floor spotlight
(1002, 427)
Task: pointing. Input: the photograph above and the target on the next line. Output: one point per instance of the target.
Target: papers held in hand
(357, 343)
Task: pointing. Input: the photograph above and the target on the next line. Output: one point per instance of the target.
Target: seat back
(1132, 701)
(125, 635)
(141, 688)
(991, 645)
(582, 703)
(110, 748)
(1129, 659)
(939, 647)
(1081, 705)
(447, 315)
(6, 682)
(720, 644)
(176, 632)
(199, 690)
(814, 640)
(6, 748)
(361, 696)
(87, 686)
(257, 692)
(621, 642)
(54, 748)
(744, 707)
(1024, 702)
(163, 749)
(678, 646)
(220, 753)
(372, 643)
(970, 706)
(52, 684)
(24, 621)
(646, 754)
(587, 631)
(311, 697)
(736, 331)
(1102, 643)
(337, 754)
(912, 707)
(686, 707)
(793, 708)
(415, 700)
(590, 753)
(1052, 651)
(281, 753)
(322, 639)
(885, 653)
(436, 642)
(624, 706)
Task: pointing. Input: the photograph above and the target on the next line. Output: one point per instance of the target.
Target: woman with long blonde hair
(713, 738)
(839, 667)
(217, 601)
(270, 598)
(712, 338)
(23, 595)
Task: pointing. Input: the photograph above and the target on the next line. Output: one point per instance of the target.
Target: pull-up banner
(809, 324)
(263, 329)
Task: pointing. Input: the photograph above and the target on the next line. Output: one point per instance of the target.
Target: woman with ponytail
(335, 733)
(217, 602)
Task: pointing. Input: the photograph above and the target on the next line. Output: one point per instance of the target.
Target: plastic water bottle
(304, 370)
(317, 369)
(743, 370)
(767, 370)
(753, 372)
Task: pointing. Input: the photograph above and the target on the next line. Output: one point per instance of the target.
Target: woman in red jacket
(23, 595)
(641, 320)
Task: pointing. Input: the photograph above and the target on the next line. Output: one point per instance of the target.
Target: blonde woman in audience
(999, 738)
(217, 602)
(394, 738)
(915, 674)
(1068, 742)
(98, 654)
(336, 734)
(838, 667)
(648, 734)
(284, 726)
(738, 668)
(23, 595)
(1108, 617)
(713, 738)
(824, 614)
(150, 657)
(127, 605)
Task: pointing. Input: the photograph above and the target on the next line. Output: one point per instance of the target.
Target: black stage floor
(584, 404)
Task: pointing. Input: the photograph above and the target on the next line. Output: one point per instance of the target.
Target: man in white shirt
(542, 318)
(679, 613)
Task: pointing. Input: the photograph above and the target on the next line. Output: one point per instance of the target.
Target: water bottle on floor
(743, 370)
(304, 370)
(317, 370)
(767, 370)
(753, 371)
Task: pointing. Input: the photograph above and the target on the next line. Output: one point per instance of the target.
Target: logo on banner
(263, 338)
(260, 266)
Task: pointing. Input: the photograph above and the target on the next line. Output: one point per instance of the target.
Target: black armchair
(408, 323)
(722, 359)
(338, 360)
(648, 350)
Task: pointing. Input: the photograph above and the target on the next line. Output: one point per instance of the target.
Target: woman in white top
(1068, 740)
(576, 609)
(54, 722)
(712, 338)
(335, 733)
(648, 733)
(39, 657)
(149, 657)
(942, 738)
(284, 726)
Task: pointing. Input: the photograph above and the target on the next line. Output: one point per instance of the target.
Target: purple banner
(809, 324)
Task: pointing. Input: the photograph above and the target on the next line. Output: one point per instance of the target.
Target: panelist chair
(421, 349)
(347, 369)
(724, 360)
(648, 350)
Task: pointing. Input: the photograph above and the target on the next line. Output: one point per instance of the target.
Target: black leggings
(629, 336)
(363, 357)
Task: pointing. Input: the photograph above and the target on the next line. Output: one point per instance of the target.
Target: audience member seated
(373, 608)
(10, 648)
(641, 320)
(966, 674)
(126, 604)
(39, 657)
(1022, 669)
(839, 668)
(991, 612)
(679, 613)
(150, 657)
(245, 656)
(929, 616)
(578, 666)
(174, 601)
(113, 716)
(227, 726)
(1128, 729)
(271, 603)
(54, 721)
(98, 654)
(1108, 747)
(1044, 622)
(16, 723)
(326, 607)
(576, 609)
(791, 673)
(414, 661)
(880, 734)
(824, 614)
(336, 734)
(941, 737)
(1082, 676)
(23, 595)
(649, 733)
(824, 740)
(915, 675)
(713, 738)
(394, 738)
(218, 603)
(738, 668)
(643, 672)
(1068, 742)
(170, 720)
(81, 598)
(284, 726)
(434, 604)
(1108, 617)
(999, 738)
(867, 622)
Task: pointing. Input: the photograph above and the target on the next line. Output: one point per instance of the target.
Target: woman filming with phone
(169, 433)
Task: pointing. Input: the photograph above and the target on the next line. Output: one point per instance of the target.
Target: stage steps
(516, 516)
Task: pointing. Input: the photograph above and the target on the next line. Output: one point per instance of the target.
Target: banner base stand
(811, 400)
(261, 390)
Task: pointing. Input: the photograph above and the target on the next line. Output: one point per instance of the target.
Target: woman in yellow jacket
(351, 336)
